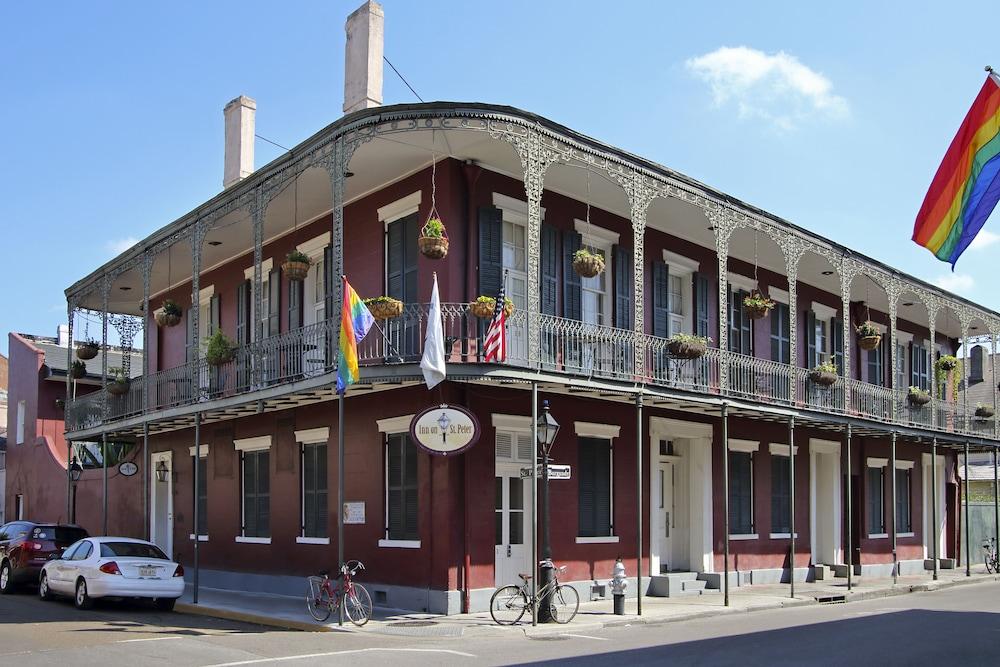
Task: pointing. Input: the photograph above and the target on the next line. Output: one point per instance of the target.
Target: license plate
(147, 571)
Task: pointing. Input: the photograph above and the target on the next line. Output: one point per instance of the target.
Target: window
(401, 488)
(816, 341)
(702, 290)
(876, 501)
(83, 551)
(19, 506)
(920, 366)
(20, 422)
(741, 493)
(875, 374)
(515, 512)
(71, 550)
(202, 493)
(255, 470)
(314, 491)
(740, 328)
(781, 521)
(319, 288)
(904, 522)
(594, 292)
(901, 366)
(676, 297)
(131, 550)
(976, 364)
(594, 488)
(780, 341)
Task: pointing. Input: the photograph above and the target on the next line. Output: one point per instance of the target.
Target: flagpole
(340, 492)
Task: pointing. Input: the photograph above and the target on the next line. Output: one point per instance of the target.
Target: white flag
(432, 362)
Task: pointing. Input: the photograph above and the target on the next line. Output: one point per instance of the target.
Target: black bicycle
(991, 556)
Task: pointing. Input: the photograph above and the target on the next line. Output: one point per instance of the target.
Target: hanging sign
(445, 430)
(128, 468)
(354, 512)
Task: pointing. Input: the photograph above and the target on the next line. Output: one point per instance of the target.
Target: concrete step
(673, 584)
(693, 585)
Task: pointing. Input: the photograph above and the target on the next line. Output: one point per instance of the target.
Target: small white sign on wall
(354, 512)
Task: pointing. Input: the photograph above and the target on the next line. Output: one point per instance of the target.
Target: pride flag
(355, 321)
(966, 186)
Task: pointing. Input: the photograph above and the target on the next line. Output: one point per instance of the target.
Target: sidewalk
(290, 612)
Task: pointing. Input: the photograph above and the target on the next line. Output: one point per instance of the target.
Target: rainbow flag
(966, 186)
(355, 321)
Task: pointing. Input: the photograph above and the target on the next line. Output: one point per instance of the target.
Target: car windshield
(131, 550)
(61, 534)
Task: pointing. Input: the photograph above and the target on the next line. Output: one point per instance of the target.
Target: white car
(115, 567)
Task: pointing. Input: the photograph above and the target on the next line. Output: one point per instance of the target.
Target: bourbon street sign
(445, 430)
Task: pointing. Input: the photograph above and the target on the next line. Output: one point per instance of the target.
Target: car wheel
(44, 592)
(82, 599)
(165, 604)
(6, 578)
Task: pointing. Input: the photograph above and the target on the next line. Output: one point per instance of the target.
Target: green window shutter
(295, 296)
(701, 295)
(572, 287)
(661, 299)
(490, 250)
(549, 267)
(623, 287)
(243, 313)
(274, 302)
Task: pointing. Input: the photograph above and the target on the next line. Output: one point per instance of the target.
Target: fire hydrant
(618, 583)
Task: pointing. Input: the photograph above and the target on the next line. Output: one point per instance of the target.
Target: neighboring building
(37, 482)
(519, 194)
(3, 437)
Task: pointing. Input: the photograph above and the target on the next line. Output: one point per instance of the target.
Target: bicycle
(323, 598)
(509, 603)
(991, 556)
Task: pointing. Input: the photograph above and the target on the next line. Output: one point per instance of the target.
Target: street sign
(555, 471)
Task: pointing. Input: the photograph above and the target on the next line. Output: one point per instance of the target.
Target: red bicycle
(323, 597)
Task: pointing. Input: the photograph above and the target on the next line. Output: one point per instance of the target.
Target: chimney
(363, 57)
(62, 335)
(240, 115)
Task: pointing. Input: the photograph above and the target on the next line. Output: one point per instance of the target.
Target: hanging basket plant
(984, 411)
(824, 375)
(484, 306)
(118, 382)
(588, 264)
(756, 305)
(869, 336)
(60, 404)
(87, 350)
(433, 241)
(77, 369)
(917, 397)
(296, 265)
(686, 346)
(220, 349)
(946, 363)
(169, 315)
(384, 307)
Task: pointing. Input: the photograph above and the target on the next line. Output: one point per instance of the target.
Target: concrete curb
(256, 619)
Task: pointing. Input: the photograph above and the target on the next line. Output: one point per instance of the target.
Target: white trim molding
(820, 446)
(518, 207)
(256, 444)
(592, 430)
(905, 535)
(253, 540)
(741, 282)
(314, 245)
(311, 436)
(684, 265)
(312, 540)
(904, 465)
(205, 294)
(737, 445)
(872, 462)
(667, 428)
(606, 539)
(201, 538)
(782, 536)
(400, 544)
(903, 337)
(878, 536)
(597, 233)
(400, 208)
(517, 423)
(823, 311)
(744, 537)
(779, 295)
(265, 268)
(202, 451)
(399, 424)
(778, 449)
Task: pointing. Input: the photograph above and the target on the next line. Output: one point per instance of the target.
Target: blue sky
(834, 117)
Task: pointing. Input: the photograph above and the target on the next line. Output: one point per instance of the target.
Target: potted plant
(433, 240)
(220, 349)
(588, 264)
(946, 363)
(485, 305)
(117, 381)
(756, 305)
(296, 265)
(825, 374)
(384, 307)
(869, 336)
(77, 369)
(687, 346)
(984, 411)
(87, 350)
(917, 397)
(169, 315)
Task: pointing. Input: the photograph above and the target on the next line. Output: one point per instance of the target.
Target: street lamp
(161, 471)
(547, 428)
(75, 470)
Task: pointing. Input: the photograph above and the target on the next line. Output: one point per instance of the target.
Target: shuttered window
(549, 267)
(255, 468)
(243, 313)
(876, 501)
(490, 250)
(781, 349)
(201, 497)
(904, 522)
(594, 487)
(661, 299)
(272, 320)
(572, 287)
(740, 331)
(701, 299)
(214, 313)
(741, 493)
(623, 287)
(781, 521)
(837, 343)
(919, 366)
(314, 497)
(401, 488)
(296, 291)
(876, 375)
(330, 292)
(401, 258)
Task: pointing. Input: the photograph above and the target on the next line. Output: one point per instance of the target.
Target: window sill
(878, 536)
(747, 536)
(400, 544)
(905, 534)
(312, 540)
(253, 540)
(201, 538)
(604, 539)
(780, 536)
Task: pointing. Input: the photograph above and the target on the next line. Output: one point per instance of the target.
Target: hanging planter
(686, 346)
(756, 305)
(824, 375)
(169, 315)
(588, 264)
(60, 404)
(296, 265)
(946, 363)
(77, 369)
(917, 397)
(869, 336)
(384, 307)
(984, 411)
(484, 306)
(433, 241)
(87, 350)
(118, 382)
(220, 349)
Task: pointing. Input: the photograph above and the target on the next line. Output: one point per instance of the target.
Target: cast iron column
(849, 548)
(67, 405)
(996, 500)
(534, 503)
(895, 509)
(791, 504)
(725, 502)
(968, 536)
(935, 539)
(638, 500)
(197, 500)
(545, 567)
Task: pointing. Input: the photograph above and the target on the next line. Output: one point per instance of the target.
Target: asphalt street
(955, 626)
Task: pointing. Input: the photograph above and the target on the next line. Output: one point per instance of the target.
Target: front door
(161, 519)
(665, 513)
(512, 519)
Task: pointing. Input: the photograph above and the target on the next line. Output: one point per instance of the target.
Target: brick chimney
(240, 115)
(363, 57)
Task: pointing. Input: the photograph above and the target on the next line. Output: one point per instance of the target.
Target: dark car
(25, 546)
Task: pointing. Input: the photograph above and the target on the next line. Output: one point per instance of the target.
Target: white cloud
(955, 282)
(775, 87)
(118, 246)
(984, 239)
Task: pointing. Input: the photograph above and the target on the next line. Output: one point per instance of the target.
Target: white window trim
(256, 444)
(21, 409)
(746, 446)
(903, 337)
(779, 295)
(684, 265)
(878, 536)
(312, 540)
(201, 538)
(605, 539)
(778, 449)
(738, 282)
(205, 294)
(265, 267)
(601, 235)
(782, 536)
(820, 446)
(603, 432)
(202, 451)
(399, 544)
(593, 430)
(823, 311)
(400, 208)
(313, 436)
(739, 537)
(315, 245)
(905, 534)
(904, 465)
(516, 423)
(518, 207)
(241, 539)
(872, 462)
(392, 425)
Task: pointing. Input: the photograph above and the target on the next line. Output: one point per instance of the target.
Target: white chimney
(363, 57)
(62, 335)
(240, 115)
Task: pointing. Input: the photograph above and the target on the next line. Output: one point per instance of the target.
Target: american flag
(496, 335)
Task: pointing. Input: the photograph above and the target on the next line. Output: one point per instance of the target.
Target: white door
(161, 519)
(665, 514)
(512, 519)
(516, 287)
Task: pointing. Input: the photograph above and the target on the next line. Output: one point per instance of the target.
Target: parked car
(112, 567)
(25, 547)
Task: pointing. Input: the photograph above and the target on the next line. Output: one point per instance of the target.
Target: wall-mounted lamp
(162, 471)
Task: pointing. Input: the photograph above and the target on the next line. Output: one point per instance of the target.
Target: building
(3, 436)
(688, 469)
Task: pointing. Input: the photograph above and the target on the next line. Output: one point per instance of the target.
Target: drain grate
(411, 624)
(835, 598)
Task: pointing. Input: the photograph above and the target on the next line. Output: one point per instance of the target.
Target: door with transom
(512, 506)
(665, 515)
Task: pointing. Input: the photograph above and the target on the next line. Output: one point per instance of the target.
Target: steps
(678, 584)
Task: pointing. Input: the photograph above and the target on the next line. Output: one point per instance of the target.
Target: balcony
(567, 347)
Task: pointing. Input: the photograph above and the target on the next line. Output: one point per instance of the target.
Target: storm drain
(411, 624)
(833, 598)
(421, 629)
